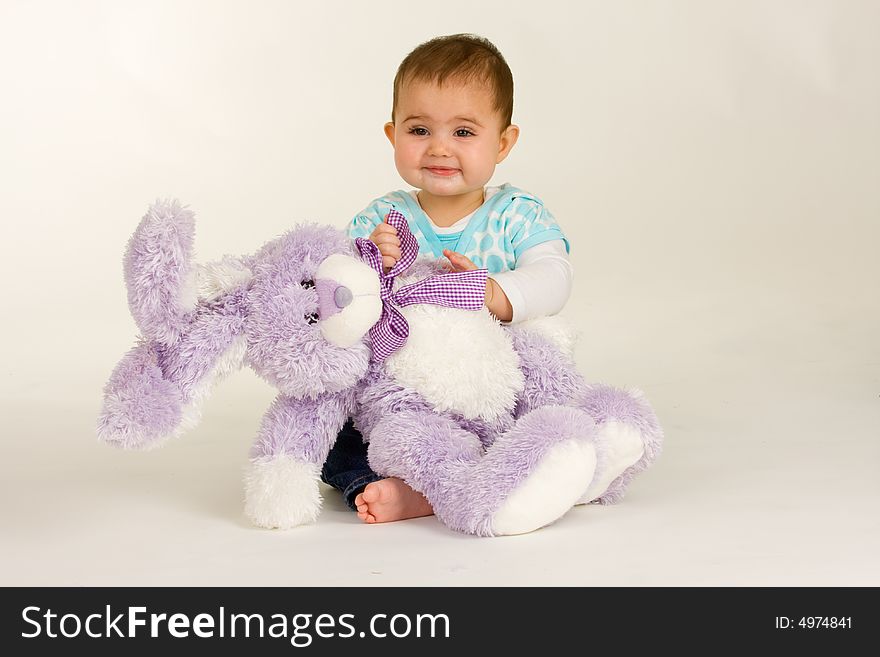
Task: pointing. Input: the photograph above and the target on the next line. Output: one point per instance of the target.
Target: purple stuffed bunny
(493, 424)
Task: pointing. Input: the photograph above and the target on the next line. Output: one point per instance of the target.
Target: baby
(450, 127)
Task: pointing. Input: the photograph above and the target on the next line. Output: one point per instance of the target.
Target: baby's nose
(438, 147)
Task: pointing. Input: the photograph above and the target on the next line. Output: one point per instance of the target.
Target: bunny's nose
(332, 297)
(342, 297)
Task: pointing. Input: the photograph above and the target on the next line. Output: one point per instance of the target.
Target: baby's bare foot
(391, 499)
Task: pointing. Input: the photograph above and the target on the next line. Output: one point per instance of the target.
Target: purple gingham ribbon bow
(460, 289)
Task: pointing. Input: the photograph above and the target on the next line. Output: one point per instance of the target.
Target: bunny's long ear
(141, 406)
(156, 391)
(193, 327)
(158, 271)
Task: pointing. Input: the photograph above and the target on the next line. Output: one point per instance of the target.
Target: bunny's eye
(307, 284)
(312, 318)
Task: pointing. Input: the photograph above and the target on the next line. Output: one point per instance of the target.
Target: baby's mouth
(442, 171)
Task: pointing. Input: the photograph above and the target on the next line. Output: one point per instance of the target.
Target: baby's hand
(457, 261)
(385, 237)
(495, 299)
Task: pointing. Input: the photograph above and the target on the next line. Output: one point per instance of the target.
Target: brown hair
(463, 58)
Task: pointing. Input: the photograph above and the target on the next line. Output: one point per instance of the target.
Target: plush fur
(458, 361)
(492, 423)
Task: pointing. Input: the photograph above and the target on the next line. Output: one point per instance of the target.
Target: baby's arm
(540, 285)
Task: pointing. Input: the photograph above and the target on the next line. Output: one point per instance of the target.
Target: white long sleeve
(541, 283)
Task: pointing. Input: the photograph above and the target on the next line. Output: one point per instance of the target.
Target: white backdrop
(714, 164)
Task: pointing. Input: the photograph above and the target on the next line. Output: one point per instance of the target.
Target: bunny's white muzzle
(348, 299)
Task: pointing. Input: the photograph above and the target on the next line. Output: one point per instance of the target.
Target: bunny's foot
(554, 479)
(528, 478)
(623, 448)
(629, 439)
(282, 492)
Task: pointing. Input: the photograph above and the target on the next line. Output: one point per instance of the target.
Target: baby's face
(447, 139)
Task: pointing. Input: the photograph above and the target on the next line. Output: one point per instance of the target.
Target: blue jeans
(346, 467)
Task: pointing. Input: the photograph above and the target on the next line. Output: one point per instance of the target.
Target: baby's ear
(214, 279)
(508, 139)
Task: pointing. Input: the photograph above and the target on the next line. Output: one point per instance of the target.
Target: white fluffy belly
(458, 360)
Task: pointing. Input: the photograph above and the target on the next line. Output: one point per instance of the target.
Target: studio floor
(769, 477)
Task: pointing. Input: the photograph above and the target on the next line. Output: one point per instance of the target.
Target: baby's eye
(419, 132)
(463, 132)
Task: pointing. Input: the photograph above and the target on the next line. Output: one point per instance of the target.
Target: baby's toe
(371, 494)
